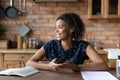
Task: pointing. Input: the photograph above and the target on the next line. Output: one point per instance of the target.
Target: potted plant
(2, 31)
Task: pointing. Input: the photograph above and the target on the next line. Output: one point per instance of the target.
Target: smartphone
(59, 60)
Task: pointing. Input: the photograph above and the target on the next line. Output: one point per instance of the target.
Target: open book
(24, 72)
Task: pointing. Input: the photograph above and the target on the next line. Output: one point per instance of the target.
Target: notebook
(97, 75)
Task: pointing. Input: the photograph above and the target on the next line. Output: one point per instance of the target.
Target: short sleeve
(84, 49)
(47, 47)
(51, 49)
(81, 51)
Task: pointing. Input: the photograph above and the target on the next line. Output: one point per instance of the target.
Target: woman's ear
(71, 29)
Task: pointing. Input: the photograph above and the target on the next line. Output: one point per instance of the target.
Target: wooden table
(49, 75)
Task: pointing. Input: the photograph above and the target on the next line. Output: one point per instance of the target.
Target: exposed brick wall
(41, 19)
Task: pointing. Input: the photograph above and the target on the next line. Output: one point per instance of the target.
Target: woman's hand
(53, 66)
(70, 65)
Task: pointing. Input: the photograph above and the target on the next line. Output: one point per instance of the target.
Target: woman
(69, 47)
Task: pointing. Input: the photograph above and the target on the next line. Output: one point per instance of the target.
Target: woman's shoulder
(83, 42)
(50, 43)
(53, 41)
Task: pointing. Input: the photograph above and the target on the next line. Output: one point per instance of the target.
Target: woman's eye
(61, 27)
(58, 27)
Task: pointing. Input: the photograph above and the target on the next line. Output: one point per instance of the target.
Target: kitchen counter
(100, 51)
(14, 58)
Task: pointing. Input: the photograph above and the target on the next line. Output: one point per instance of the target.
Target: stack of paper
(97, 75)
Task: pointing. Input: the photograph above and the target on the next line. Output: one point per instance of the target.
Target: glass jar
(118, 67)
(30, 43)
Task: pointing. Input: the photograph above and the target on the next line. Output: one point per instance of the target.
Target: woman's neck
(66, 43)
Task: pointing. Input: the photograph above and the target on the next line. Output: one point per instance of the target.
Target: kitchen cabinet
(15, 58)
(1, 61)
(103, 9)
(112, 63)
(112, 9)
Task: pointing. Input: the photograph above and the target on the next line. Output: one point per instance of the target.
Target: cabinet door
(112, 63)
(15, 60)
(1, 61)
(112, 9)
(22, 64)
(11, 64)
(96, 9)
(19, 57)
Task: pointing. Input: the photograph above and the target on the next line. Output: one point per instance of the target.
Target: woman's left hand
(70, 65)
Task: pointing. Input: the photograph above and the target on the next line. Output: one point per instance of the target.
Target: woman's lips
(58, 35)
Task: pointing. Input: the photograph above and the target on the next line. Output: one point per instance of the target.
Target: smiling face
(63, 31)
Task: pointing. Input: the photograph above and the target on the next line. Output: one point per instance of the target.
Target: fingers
(53, 65)
(72, 66)
(56, 67)
(53, 60)
(68, 65)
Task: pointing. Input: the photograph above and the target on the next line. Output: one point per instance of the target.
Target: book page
(6, 72)
(25, 71)
(97, 75)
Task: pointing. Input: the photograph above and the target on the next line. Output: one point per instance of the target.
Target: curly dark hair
(74, 20)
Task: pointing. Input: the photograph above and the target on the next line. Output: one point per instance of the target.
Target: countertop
(34, 50)
(18, 50)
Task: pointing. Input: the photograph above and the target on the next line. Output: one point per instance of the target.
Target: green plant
(2, 31)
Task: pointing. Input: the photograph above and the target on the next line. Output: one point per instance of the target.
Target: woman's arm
(97, 62)
(34, 61)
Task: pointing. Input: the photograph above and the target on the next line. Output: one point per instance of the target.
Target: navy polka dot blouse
(76, 53)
